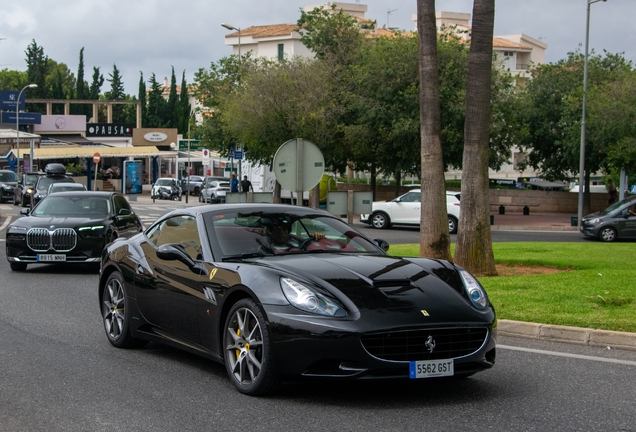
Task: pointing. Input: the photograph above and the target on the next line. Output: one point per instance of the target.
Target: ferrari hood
(375, 283)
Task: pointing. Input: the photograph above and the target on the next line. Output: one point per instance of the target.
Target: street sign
(298, 165)
(9, 99)
(194, 144)
(205, 157)
(97, 157)
(24, 117)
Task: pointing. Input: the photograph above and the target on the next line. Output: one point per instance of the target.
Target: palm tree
(474, 244)
(434, 236)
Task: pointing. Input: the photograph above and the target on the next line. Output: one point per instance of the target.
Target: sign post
(298, 166)
(96, 158)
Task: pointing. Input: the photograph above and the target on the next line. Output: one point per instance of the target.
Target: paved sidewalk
(533, 222)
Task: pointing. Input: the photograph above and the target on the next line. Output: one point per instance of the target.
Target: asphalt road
(59, 373)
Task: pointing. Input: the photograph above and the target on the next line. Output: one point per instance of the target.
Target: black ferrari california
(69, 227)
(276, 292)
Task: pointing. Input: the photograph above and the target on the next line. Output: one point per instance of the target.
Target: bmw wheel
(380, 220)
(248, 350)
(607, 234)
(452, 225)
(116, 315)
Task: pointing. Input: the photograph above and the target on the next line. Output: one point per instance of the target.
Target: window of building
(281, 51)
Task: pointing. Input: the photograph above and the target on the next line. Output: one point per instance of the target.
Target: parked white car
(405, 210)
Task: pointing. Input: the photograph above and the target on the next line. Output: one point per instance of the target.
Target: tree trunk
(474, 244)
(434, 236)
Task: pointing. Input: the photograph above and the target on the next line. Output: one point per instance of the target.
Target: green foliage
(12, 80)
(553, 109)
(157, 105)
(116, 93)
(332, 34)
(37, 70)
(593, 291)
(185, 110)
(171, 119)
(96, 85)
(74, 168)
(142, 99)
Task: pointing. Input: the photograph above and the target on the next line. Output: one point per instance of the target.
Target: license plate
(431, 368)
(51, 257)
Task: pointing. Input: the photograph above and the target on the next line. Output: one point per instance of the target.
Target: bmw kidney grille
(59, 240)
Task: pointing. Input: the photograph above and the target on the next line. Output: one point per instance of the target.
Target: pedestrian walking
(234, 184)
(246, 185)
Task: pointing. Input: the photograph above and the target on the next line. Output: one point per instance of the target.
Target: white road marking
(6, 223)
(576, 356)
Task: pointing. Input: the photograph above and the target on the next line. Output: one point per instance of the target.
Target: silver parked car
(214, 190)
(192, 184)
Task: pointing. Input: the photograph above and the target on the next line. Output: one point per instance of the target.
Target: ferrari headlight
(473, 288)
(308, 300)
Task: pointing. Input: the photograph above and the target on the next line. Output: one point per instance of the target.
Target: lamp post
(231, 27)
(582, 151)
(17, 123)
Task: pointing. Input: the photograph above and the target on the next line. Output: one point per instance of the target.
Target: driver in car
(281, 240)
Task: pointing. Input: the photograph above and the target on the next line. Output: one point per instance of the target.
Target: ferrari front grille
(432, 344)
(59, 240)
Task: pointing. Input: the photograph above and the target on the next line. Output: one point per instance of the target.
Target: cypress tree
(142, 99)
(116, 93)
(171, 118)
(37, 70)
(185, 110)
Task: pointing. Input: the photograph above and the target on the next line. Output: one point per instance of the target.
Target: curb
(574, 335)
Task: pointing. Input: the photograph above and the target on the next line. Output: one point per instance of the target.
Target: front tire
(247, 351)
(116, 314)
(607, 234)
(452, 225)
(380, 220)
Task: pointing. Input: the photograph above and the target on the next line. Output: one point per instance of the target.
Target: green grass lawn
(598, 290)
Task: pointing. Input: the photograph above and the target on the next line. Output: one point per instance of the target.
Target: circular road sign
(97, 157)
(298, 165)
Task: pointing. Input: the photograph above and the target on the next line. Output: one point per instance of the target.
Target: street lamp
(17, 123)
(231, 27)
(582, 152)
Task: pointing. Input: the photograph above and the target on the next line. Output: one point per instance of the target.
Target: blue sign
(25, 118)
(133, 171)
(8, 99)
(238, 154)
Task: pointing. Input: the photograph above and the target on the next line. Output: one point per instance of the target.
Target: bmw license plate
(431, 368)
(51, 257)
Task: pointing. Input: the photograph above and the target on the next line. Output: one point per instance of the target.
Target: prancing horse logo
(430, 344)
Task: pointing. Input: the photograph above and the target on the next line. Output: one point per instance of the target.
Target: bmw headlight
(92, 231)
(475, 291)
(306, 299)
(17, 229)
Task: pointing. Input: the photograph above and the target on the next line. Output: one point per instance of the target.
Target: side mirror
(175, 252)
(124, 212)
(382, 244)
(24, 212)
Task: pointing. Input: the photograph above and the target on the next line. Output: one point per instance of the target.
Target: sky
(151, 36)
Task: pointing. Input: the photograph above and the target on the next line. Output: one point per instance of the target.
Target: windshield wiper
(241, 256)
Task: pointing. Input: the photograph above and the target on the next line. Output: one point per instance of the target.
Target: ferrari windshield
(261, 233)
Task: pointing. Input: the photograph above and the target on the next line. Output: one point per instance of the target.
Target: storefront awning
(89, 151)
